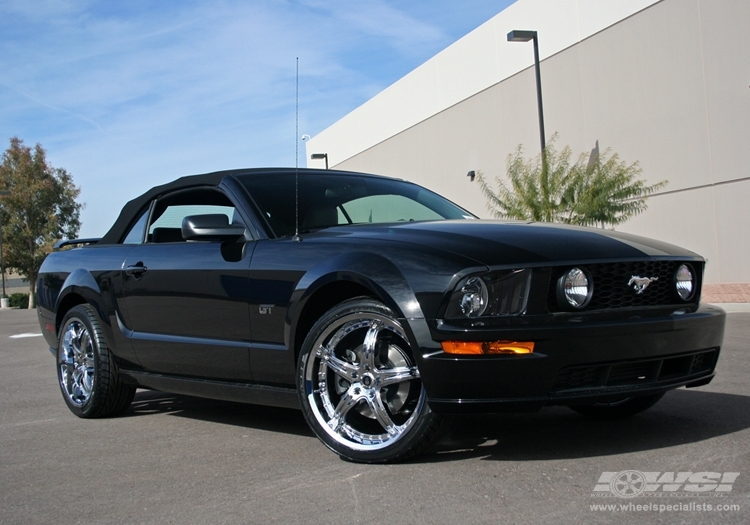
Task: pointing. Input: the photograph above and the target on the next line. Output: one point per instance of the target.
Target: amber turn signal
(493, 347)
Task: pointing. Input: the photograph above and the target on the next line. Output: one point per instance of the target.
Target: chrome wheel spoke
(84, 344)
(67, 366)
(348, 400)
(79, 381)
(66, 377)
(382, 415)
(87, 378)
(391, 376)
(338, 366)
(370, 345)
(77, 391)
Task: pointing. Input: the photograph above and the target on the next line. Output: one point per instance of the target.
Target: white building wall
(665, 83)
(475, 62)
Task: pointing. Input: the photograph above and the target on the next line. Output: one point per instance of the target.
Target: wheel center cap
(367, 380)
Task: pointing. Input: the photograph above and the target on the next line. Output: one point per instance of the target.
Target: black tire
(360, 388)
(621, 408)
(86, 372)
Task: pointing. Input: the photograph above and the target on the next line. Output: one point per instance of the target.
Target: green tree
(596, 189)
(38, 209)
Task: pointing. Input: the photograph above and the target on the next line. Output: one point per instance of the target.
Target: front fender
(363, 270)
(375, 272)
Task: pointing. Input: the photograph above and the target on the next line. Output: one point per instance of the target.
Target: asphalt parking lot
(175, 459)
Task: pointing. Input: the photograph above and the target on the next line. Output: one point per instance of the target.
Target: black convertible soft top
(130, 210)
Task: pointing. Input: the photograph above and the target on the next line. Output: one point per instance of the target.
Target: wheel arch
(316, 295)
(79, 287)
(71, 300)
(322, 300)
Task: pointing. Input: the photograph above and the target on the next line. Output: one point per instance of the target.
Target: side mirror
(210, 227)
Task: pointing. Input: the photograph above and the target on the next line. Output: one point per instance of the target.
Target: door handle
(136, 270)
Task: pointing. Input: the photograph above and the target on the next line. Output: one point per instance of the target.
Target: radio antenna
(296, 237)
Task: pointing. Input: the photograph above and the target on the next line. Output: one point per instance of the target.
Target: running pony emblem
(640, 284)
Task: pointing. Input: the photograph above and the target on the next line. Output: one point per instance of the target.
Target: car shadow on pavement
(286, 420)
(681, 417)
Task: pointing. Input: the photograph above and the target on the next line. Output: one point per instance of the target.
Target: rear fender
(79, 287)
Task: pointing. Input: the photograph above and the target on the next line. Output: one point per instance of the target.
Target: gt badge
(639, 284)
(265, 309)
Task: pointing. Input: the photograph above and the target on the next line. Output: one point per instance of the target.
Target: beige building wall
(14, 283)
(663, 83)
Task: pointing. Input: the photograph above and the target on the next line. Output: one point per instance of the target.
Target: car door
(186, 301)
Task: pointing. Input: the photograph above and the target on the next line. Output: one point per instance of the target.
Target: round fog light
(574, 288)
(684, 282)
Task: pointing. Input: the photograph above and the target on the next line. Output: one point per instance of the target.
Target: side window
(135, 235)
(173, 215)
(166, 223)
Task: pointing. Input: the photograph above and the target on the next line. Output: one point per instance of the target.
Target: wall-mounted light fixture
(471, 175)
(319, 156)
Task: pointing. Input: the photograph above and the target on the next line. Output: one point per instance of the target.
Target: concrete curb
(733, 307)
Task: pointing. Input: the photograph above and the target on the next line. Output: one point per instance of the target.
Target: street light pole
(525, 36)
(2, 259)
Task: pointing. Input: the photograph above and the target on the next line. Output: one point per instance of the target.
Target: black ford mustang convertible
(376, 306)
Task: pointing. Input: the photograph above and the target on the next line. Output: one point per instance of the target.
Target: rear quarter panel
(90, 274)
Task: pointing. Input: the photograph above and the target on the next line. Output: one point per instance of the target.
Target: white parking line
(21, 336)
(24, 423)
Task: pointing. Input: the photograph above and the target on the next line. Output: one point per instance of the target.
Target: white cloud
(383, 20)
(125, 95)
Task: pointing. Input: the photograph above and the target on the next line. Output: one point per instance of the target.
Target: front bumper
(577, 360)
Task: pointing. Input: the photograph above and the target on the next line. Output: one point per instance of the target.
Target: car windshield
(336, 199)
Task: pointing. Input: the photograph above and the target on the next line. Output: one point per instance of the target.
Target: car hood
(508, 243)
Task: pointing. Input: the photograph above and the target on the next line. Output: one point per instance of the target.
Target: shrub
(595, 190)
(19, 300)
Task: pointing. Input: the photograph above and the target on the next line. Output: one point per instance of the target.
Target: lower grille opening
(636, 373)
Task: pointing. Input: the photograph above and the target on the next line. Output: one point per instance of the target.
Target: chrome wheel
(360, 388)
(77, 363)
(86, 370)
(364, 391)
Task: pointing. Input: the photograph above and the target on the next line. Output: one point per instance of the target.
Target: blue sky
(133, 93)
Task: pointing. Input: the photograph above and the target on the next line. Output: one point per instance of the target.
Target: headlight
(474, 299)
(575, 288)
(685, 282)
(494, 293)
